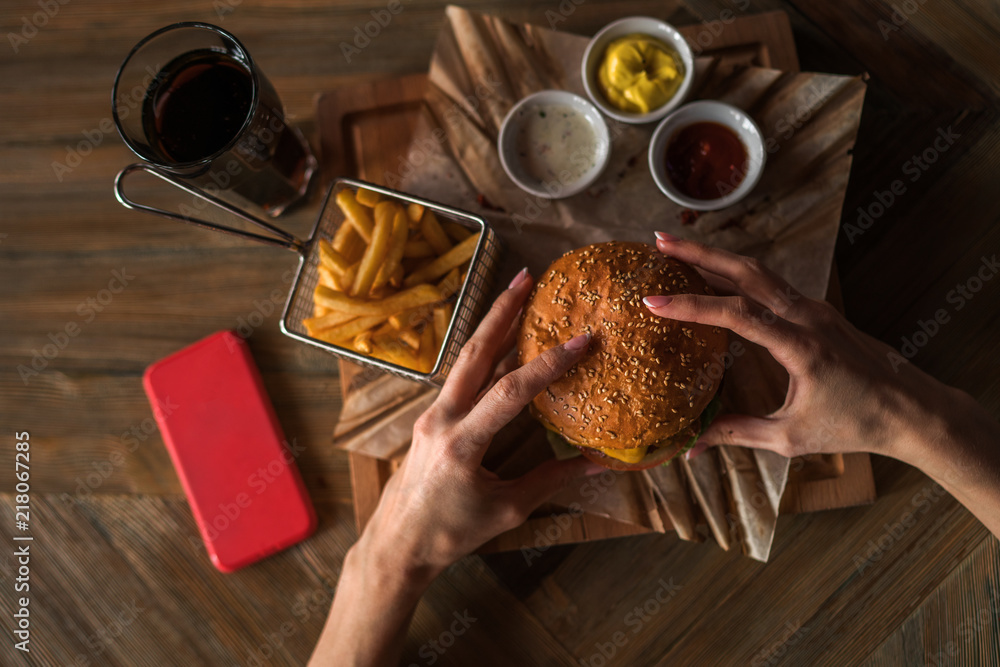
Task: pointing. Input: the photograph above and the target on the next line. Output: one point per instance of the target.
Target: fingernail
(577, 342)
(663, 236)
(657, 301)
(592, 469)
(519, 278)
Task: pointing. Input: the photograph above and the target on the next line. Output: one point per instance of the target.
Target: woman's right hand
(858, 392)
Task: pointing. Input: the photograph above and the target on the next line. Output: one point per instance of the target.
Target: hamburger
(641, 394)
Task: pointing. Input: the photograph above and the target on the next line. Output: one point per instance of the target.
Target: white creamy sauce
(555, 143)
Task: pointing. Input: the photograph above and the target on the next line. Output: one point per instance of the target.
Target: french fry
(347, 242)
(322, 322)
(456, 231)
(327, 277)
(410, 337)
(450, 284)
(414, 212)
(344, 333)
(431, 229)
(393, 256)
(396, 279)
(367, 197)
(445, 263)
(332, 259)
(363, 342)
(427, 352)
(382, 292)
(398, 354)
(347, 279)
(359, 216)
(418, 248)
(385, 213)
(412, 297)
(319, 311)
(442, 318)
(410, 318)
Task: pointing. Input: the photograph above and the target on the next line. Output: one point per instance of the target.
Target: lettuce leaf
(707, 417)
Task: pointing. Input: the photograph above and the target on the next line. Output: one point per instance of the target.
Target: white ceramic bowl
(511, 126)
(644, 25)
(718, 112)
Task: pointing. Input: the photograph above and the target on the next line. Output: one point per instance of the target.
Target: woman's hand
(860, 390)
(442, 504)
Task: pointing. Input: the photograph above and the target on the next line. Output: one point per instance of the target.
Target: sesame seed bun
(644, 380)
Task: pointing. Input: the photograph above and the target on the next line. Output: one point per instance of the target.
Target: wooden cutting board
(365, 130)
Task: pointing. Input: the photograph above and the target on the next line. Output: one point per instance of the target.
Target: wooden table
(118, 576)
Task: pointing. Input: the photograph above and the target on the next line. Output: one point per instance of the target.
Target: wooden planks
(959, 622)
(59, 240)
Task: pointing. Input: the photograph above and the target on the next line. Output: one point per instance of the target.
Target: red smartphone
(224, 438)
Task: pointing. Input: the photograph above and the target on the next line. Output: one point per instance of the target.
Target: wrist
(936, 438)
(388, 569)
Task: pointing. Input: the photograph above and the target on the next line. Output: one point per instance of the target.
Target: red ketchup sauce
(706, 160)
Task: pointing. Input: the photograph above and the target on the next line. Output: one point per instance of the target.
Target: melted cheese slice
(633, 455)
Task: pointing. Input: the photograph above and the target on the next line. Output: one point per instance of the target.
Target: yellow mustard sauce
(639, 73)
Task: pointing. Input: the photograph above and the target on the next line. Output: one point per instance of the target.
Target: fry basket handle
(284, 240)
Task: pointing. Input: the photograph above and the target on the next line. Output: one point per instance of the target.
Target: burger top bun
(644, 378)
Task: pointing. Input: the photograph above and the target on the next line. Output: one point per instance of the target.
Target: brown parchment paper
(482, 65)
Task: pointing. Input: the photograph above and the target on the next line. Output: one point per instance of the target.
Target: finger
(506, 346)
(722, 286)
(515, 390)
(742, 430)
(535, 487)
(475, 362)
(507, 365)
(740, 314)
(748, 274)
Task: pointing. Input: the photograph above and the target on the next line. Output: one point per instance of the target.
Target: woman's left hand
(442, 504)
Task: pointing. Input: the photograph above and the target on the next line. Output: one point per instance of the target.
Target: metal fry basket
(471, 297)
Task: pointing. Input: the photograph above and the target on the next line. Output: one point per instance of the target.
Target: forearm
(371, 611)
(958, 446)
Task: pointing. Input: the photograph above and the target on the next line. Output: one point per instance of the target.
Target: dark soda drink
(199, 114)
(197, 105)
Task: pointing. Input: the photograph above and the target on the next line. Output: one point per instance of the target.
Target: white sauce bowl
(507, 144)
